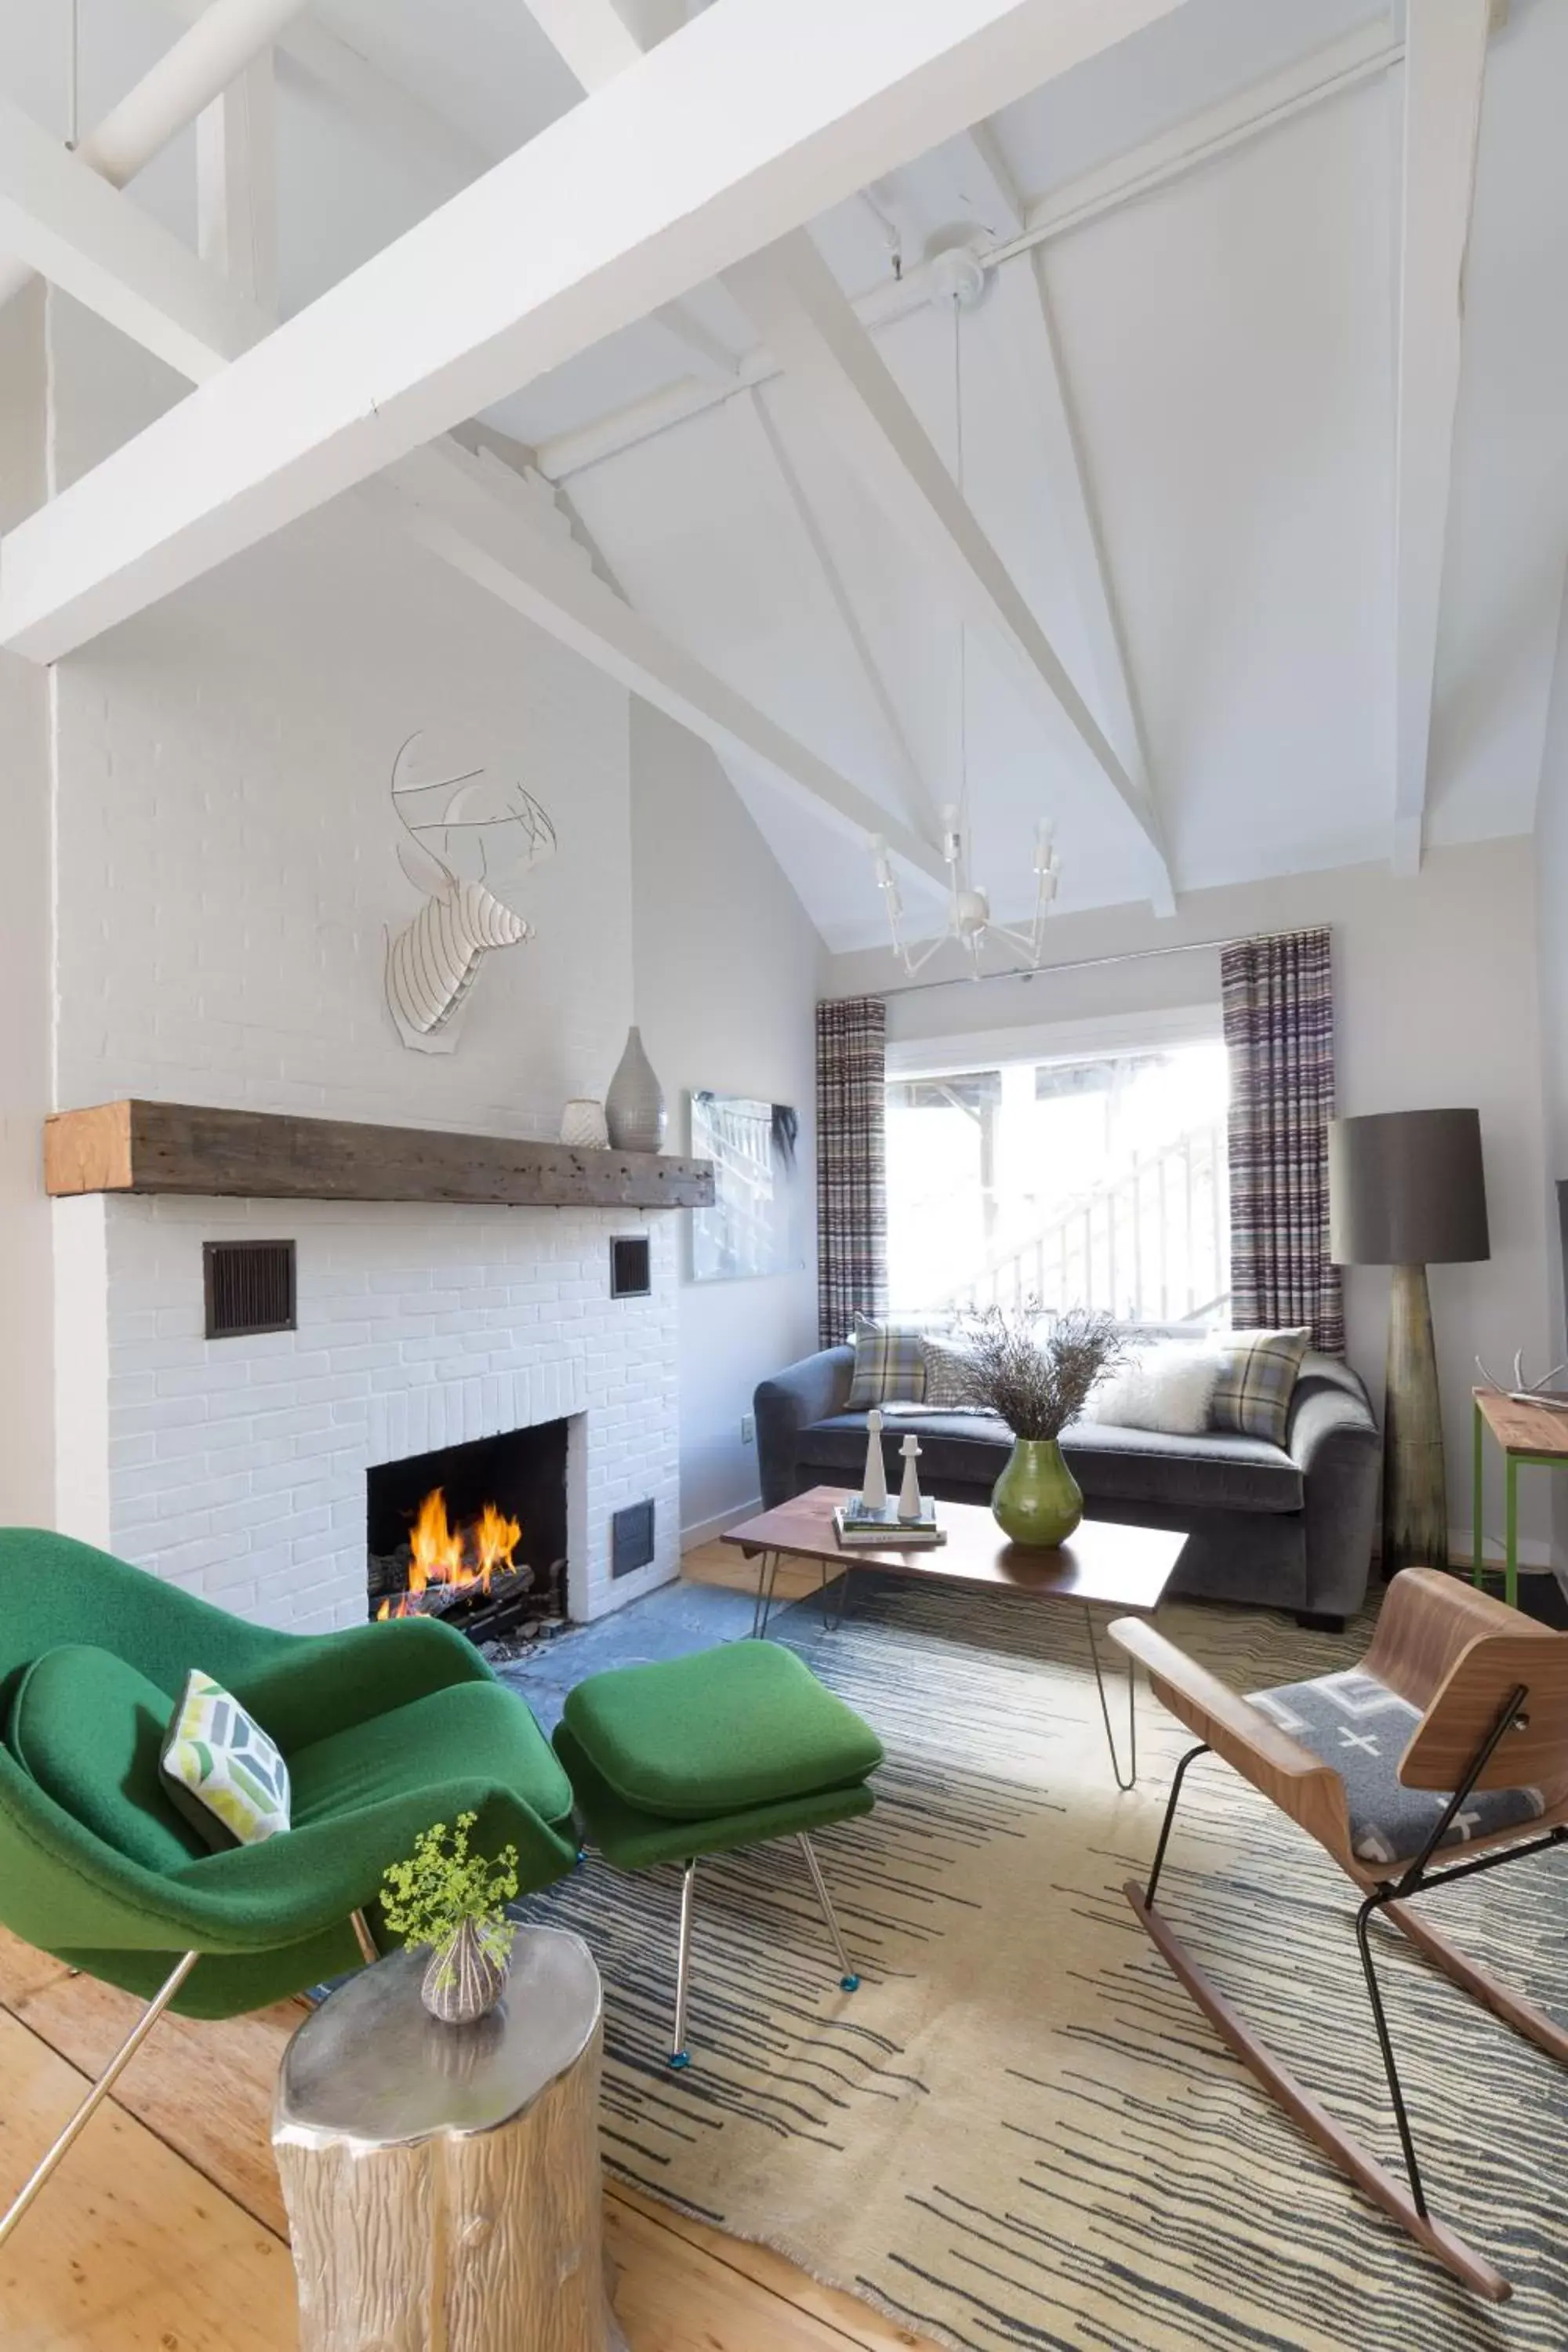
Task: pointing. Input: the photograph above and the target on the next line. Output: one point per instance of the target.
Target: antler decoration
(461, 828)
(1525, 1391)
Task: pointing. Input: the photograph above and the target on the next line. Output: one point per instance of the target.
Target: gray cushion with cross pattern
(1362, 1729)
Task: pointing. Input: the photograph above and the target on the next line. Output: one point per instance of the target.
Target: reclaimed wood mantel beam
(157, 1146)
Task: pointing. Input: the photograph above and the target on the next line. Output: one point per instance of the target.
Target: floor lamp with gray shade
(1407, 1190)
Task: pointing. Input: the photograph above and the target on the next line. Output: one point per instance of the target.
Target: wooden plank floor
(164, 2231)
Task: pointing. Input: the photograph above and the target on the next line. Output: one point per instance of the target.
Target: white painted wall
(1552, 919)
(26, 1468)
(227, 845)
(1435, 1003)
(228, 860)
(727, 969)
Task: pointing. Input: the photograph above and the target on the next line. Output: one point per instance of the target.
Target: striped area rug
(1020, 2131)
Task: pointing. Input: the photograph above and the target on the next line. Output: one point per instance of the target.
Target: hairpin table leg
(767, 1578)
(1131, 1779)
(830, 1624)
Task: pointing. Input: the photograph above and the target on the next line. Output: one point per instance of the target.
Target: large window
(1084, 1181)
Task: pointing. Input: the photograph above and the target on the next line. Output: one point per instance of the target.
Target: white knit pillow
(1170, 1387)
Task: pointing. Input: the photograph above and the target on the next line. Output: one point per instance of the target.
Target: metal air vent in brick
(250, 1288)
(630, 1266)
(631, 1538)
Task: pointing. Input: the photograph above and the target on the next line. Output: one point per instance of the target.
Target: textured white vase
(634, 1105)
(583, 1123)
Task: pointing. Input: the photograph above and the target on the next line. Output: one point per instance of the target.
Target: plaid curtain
(851, 1167)
(1279, 1026)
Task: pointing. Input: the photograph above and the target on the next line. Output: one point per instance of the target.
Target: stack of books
(883, 1531)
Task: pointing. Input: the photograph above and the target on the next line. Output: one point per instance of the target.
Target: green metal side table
(1525, 1433)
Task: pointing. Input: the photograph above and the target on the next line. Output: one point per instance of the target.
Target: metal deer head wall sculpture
(466, 825)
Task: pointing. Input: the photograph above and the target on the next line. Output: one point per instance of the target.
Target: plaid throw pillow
(948, 1368)
(1259, 1371)
(890, 1361)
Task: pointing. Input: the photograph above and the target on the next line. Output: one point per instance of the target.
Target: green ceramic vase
(1036, 1502)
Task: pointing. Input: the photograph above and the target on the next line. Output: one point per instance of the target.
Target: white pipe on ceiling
(189, 76)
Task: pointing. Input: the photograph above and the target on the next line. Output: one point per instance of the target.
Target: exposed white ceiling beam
(1031, 342)
(403, 124)
(594, 42)
(393, 115)
(187, 76)
(1308, 81)
(236, 184)
(447, 501)
(916, 793)
(59, 218)
(759, 115)
(811, 329)
(1358, 56)
(592, 38)
(797, 304)
(1445, 71)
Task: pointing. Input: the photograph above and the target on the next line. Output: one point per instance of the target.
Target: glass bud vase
(463, 1982)
(633, 1103)
(1036, 1502)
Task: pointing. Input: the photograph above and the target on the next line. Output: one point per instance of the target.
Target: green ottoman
(693, 1756)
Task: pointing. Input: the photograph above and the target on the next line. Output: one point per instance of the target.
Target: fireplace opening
(474, 1534)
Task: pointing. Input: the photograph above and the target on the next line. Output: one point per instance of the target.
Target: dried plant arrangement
(1034, 1378)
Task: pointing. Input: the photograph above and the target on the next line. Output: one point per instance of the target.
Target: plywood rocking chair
(1452, 1731)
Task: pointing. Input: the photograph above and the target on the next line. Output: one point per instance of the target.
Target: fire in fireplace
(474, 1534)
(444, 1559)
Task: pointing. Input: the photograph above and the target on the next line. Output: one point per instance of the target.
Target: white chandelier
(969, 920)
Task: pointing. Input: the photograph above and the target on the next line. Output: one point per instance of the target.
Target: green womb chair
(693, 1756)
(387, 1728)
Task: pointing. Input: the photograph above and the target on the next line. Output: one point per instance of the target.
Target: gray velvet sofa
(1284, 1527)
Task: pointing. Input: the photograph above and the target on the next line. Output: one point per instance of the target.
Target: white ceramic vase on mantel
(634, 1106)
(583, 1123)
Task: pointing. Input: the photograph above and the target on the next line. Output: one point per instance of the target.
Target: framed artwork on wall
(757, 1223)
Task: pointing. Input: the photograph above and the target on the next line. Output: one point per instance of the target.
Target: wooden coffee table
(1104, 1566)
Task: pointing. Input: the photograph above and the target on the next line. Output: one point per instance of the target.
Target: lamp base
(1415, 1486)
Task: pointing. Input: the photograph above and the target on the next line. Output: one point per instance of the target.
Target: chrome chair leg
(678, 2053)
(99, 2091)
(847, 1976)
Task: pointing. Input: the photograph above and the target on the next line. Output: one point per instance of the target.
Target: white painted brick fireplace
(211, 873)
(236, 1468)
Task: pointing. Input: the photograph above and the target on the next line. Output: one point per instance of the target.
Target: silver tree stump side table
(443, 2181)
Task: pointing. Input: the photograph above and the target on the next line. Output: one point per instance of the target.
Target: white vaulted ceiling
(1227, 339)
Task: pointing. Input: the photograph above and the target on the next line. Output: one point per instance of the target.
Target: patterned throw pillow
(1259, 1371)
(890, 1361)
(948, 1368)
(220, 1768)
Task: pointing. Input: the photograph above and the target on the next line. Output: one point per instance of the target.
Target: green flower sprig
(426, 1898)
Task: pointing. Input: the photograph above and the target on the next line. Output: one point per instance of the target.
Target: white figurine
(874, 1481)
(910, 1506)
